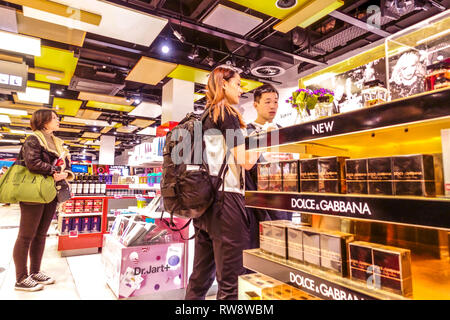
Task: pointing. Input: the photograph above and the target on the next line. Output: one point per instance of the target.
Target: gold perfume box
(290, 172)
(311, 246)
(295, 243)
(263, 176)
(333, 251)
(275, 177)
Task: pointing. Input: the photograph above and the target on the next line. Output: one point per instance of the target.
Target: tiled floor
(77, 277)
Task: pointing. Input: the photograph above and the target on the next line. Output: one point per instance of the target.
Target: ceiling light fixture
(179, 36)
(165, 49)
(34, 95)
(59, 92)
(19, 43)
(13, 112)
(9, 141)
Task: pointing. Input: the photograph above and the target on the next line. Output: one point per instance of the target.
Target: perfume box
(309, 175)
(76, 224)
(263, 176)
(414, 175)
(385, 267)
(333, 251)
(379, 175)
(96, 224)
(251, 286)
(331, 174)
(393, 267)
(79, 206)
(66, 225)
(311, 246)
(356, 176)
(275, 177)
(290, 171)
(279, 237)
(88, 206)
(85, 225)
(360, 261)
(295, 243)
(265, 236)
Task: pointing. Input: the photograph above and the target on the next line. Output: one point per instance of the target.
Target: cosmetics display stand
(406, 126)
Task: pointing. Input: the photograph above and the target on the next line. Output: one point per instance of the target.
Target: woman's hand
(60, 176)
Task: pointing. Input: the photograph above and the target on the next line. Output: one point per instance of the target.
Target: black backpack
(187, 189)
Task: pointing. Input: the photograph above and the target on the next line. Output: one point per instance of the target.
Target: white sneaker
(42, 278)
(28, 284)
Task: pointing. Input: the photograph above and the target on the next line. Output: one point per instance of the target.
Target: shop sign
(322, 288)
(323, 127)
(13, 76)
(334, 206)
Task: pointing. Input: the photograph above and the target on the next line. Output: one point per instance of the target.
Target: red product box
(98, 202)
(88, 206)
(97, 209)
(79, 206)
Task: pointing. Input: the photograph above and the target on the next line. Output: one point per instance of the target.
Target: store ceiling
(98, 63)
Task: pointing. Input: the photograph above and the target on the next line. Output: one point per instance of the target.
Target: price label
(73, 234)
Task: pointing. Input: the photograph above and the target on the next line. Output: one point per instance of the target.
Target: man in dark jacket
(266, 105)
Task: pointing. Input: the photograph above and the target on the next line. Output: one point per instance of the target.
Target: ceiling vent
(285, 4)
(271, 64)
(88, 85)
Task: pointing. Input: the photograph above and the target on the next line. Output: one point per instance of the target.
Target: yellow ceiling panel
(50, 31)
(88, 114)
(150, 71)
(40, 85)
(67, 107)
(104, 98)
(69, 130)
(109, 106)
(105, 129)
(198, 96)
(269, 7)
(142, 123)
(58, 60)
(191, 74)
(248, 85)
(92, 135)
(126, 129)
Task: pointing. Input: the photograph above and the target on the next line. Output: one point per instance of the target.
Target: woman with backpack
(39, 154)
(222, 232)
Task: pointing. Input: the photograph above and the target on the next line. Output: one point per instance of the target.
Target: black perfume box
(385, 267)
(356, 176)
(379, 176)
(331, 174)
(295, 243)
(333, 251)
(360, 261)
(275, 177)
(393, 267)
(290, 173)
(311, 246)
(263, 176)
(414, 175)
(309, 175)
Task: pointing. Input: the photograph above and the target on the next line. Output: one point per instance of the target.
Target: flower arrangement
(303, 99)
(324, 95)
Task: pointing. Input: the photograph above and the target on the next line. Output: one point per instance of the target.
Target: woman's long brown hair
(215, 94)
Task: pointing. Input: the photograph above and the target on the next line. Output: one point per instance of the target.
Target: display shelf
(414, 211)
(130, 187)
(314, 281)
(430, 278)
(81, 241)
(416, 119)
(75, 215)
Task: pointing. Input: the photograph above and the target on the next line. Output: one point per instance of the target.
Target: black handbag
(63, 189)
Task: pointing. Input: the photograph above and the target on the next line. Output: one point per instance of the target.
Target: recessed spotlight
(165, 49)
(94, 129)
(440, 57)
(59, 92)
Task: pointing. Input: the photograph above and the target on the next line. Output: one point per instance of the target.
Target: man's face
(267, 106)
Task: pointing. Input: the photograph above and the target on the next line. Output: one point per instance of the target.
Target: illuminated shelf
(409, 125)
(413, 211)
(314, 281)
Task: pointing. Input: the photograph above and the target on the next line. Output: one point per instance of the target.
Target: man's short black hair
(266, 88)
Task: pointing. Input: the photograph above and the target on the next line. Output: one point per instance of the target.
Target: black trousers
(35, 220)
(222, 235)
